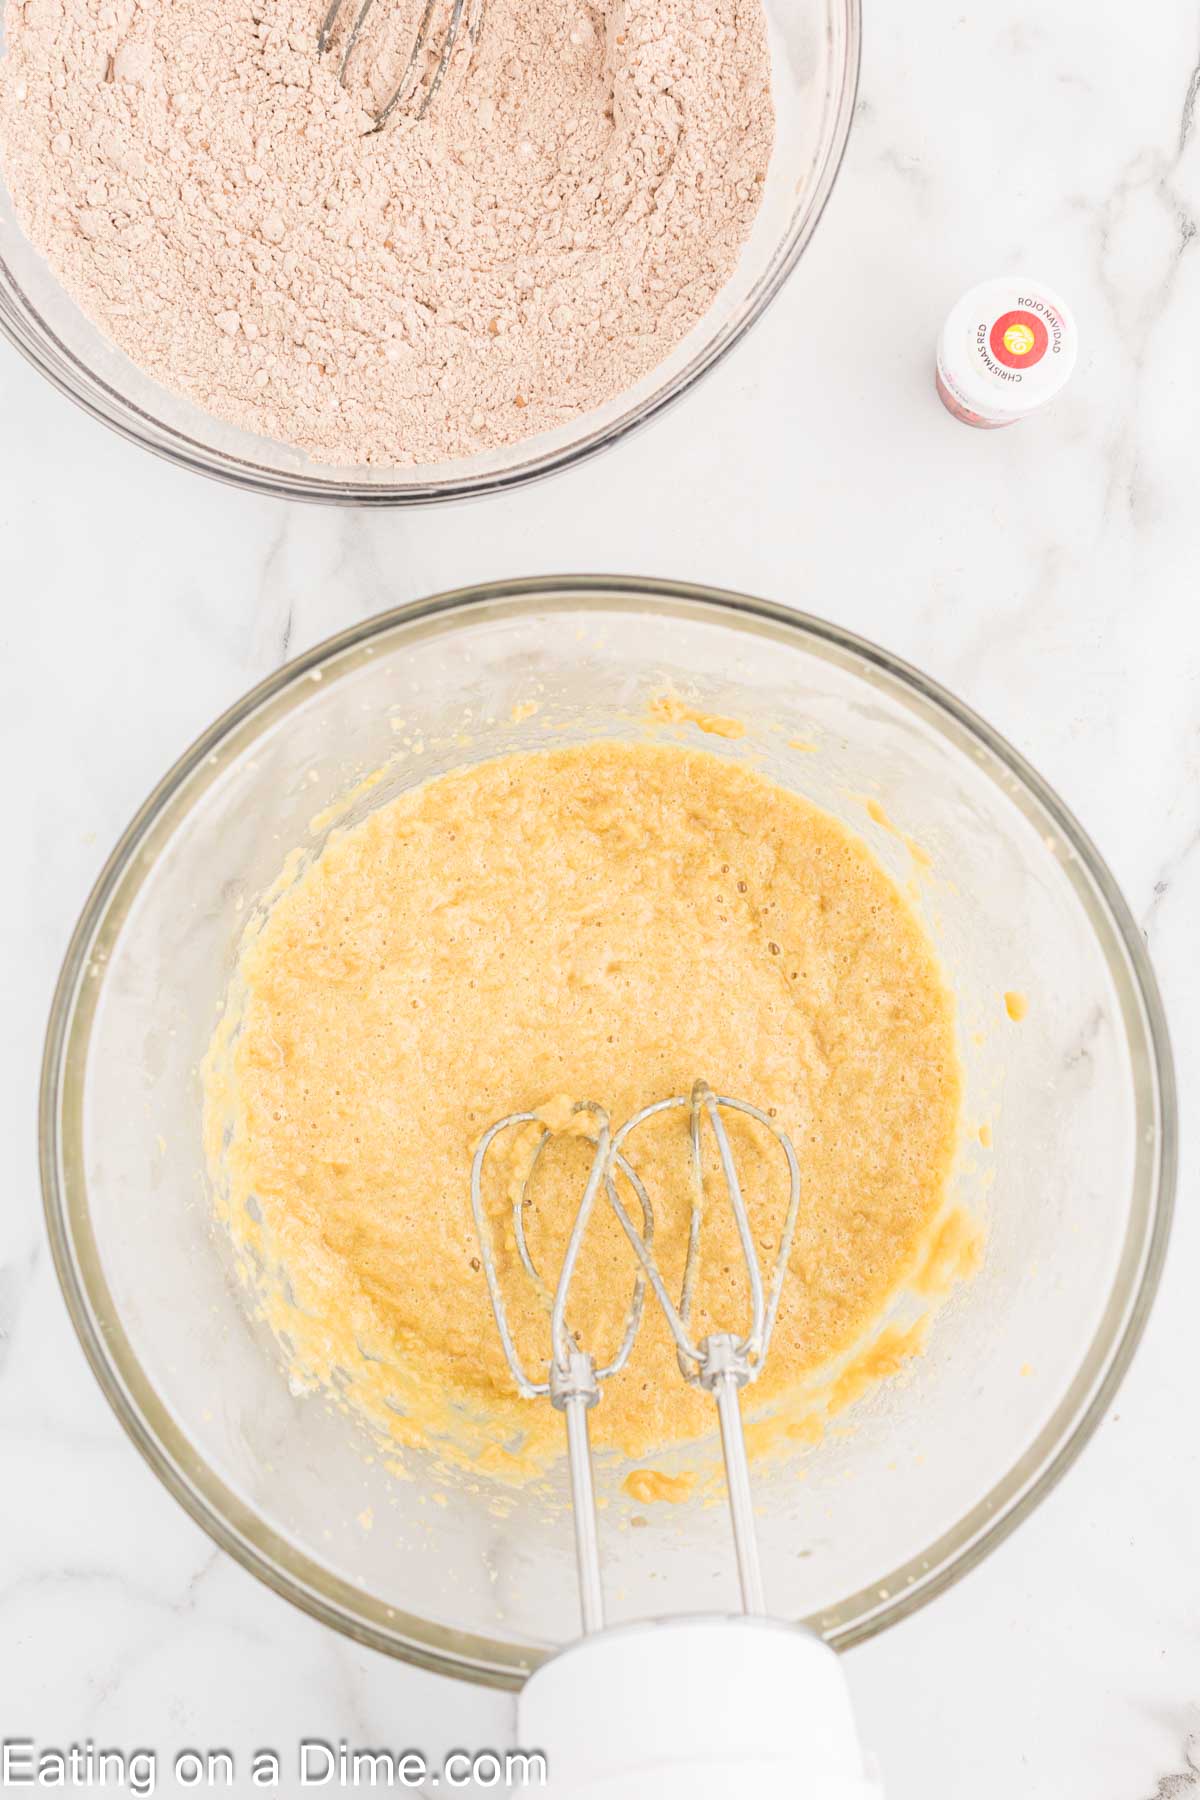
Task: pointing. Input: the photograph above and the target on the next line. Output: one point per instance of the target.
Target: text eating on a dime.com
(314, 1763)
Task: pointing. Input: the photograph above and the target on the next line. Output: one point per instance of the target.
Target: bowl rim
(233, 1526)
(37, 341)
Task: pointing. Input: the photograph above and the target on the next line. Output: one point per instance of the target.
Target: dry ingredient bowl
(815, 55)
(924, 1475)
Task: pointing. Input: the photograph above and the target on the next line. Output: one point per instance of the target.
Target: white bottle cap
(1006, 349)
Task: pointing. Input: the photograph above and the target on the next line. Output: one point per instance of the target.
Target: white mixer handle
(700, 1708)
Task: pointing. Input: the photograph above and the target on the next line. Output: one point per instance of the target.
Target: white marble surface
(1049, 574)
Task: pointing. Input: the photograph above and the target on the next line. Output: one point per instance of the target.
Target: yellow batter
(607, 922)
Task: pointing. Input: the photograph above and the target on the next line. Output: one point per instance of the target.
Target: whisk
(698, 1706)
(426, 67)
(573, 1380)
(722, 1363)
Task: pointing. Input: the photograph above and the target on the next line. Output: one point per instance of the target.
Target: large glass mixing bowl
(922, 1476)
(815, 55)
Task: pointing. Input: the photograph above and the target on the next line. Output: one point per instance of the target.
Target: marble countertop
(1048, 574)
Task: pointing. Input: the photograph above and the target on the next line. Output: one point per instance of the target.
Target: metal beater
(722, 1363)
(573, 1381)
(426, 67)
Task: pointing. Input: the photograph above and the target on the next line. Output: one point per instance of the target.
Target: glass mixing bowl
(815, 55)
(922, 1476)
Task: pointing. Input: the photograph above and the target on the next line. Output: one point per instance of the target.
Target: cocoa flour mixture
(216, 204)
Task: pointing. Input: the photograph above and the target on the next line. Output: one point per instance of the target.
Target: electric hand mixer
(702, 1705)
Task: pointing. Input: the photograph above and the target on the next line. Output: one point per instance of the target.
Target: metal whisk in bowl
(723, 1363)
(573, 1380)
(427, 64)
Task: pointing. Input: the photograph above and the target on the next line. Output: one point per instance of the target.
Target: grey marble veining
(1048, 574)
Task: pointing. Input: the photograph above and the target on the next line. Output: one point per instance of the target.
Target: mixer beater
(434, 43)
(723, 1363)
(703, 1705)
(573, 1381)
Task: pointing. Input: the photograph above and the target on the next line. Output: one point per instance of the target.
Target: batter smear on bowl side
(604, 921)
(217, 205)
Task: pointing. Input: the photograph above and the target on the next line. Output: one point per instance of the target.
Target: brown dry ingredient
(210, 197)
